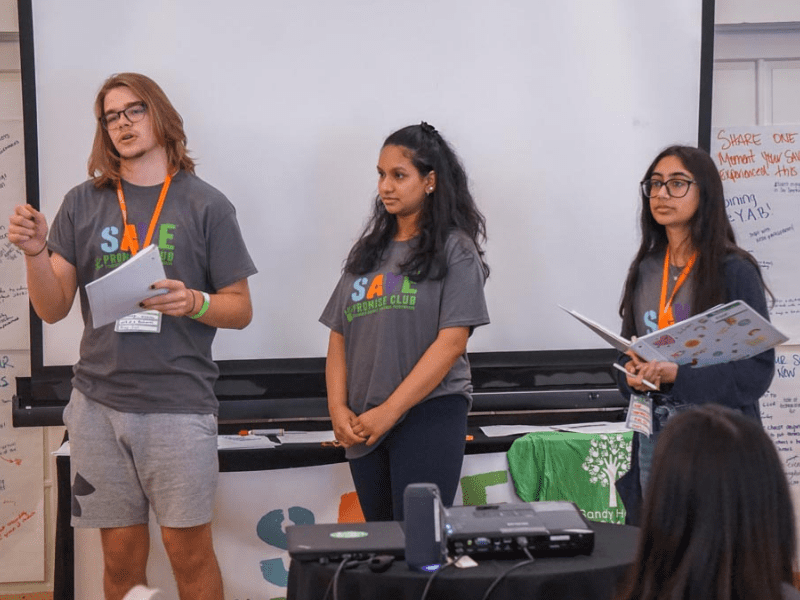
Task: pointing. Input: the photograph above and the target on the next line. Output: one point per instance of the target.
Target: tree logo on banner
(609, 456)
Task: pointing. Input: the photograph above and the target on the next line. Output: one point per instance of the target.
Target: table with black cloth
(287, 456)
(592, 577)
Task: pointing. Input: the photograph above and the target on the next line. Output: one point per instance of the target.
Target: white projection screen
(556, 109)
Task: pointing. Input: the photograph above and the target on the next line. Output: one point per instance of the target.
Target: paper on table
(503, 430)
(224, 442)
(595, 427)
(307, 437)
(233, 442)
(118, 293)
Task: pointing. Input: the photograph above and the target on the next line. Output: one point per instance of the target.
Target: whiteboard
(556, 110)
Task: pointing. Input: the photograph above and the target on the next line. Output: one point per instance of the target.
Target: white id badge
(147, 321)
(640, 414)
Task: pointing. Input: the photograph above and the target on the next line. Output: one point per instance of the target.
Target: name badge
(148, 321)
(640, 414)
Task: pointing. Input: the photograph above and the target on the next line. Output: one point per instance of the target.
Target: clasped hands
(368, 427)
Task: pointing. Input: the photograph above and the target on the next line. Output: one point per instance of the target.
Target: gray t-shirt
(201, 245)
(388, 322)
(646, 301)
(647, 295)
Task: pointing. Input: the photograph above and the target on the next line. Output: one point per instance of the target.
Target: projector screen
(556, 110)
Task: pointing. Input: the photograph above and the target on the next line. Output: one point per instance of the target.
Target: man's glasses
(676, 188)
(134, 113)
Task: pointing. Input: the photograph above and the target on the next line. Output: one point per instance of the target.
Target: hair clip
(428, 128)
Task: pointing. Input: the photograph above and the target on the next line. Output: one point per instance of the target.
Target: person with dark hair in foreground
(142, 415)
(717, 522)
(410, 295)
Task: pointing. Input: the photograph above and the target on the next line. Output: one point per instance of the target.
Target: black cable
(528, 553)
(431, 578)
(346, 563)
(333, 580)
(500, 577)
(529, 561)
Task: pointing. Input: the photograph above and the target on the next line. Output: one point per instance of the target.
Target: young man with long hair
(142, 415)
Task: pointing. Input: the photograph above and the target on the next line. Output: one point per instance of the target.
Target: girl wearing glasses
(688, 262)
(410, 295)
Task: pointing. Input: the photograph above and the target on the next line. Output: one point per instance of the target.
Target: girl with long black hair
(688, 262)
(410, 295)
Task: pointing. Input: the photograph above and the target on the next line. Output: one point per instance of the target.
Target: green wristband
(204, 308)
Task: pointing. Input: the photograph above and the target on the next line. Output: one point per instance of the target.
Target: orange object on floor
(350, 509)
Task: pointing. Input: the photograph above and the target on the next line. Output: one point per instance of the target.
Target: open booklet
(118, 293)
(728, 332)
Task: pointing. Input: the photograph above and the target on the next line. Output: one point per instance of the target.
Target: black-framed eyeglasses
(676, 188)
(134, 113)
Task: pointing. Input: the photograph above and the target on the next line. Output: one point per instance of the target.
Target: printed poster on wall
(760, 168)
(14, 332)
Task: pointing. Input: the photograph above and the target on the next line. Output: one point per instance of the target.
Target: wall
(8, 16)
(756, 74)
(749, 11)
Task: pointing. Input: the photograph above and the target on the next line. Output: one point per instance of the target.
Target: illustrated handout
(725, 333)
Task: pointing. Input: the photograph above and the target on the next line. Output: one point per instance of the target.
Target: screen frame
(40, 398)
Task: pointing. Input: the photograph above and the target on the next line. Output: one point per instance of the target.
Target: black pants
(426, 447)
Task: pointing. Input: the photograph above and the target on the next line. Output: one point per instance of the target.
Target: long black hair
(449, 207)
(710, 230)
(718, 522)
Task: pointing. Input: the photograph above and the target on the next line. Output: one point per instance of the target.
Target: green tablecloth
(579, 467)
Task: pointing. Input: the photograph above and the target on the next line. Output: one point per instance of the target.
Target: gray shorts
(124, 463)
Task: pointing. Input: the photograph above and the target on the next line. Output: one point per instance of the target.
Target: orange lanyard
(130, 239)
(665, 316)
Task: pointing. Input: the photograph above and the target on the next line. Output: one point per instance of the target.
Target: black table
(240, 460)
(592, 577)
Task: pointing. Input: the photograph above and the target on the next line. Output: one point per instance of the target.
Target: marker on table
(619, 367)
(261, 432)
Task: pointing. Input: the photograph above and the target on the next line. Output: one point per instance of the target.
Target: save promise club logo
(385, 292)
